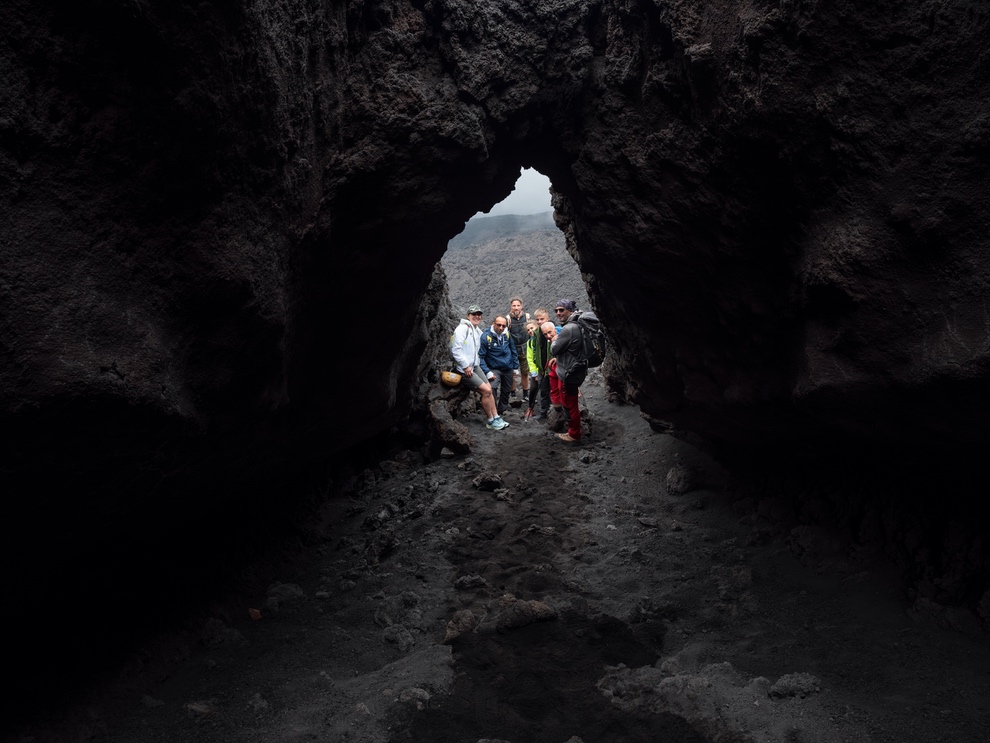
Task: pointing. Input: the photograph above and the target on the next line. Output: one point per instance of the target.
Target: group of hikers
(548, 356)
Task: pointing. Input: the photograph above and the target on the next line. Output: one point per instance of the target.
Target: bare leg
(487, 400)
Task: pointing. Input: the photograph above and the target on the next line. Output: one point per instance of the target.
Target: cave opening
(513, 249)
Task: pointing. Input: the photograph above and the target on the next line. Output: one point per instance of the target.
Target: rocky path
(532, 591)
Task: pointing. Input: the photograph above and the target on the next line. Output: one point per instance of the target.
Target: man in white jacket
(464, 346)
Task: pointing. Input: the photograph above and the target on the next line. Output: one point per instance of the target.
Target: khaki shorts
(523, 363)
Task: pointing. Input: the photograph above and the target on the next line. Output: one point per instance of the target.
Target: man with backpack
(572, 349)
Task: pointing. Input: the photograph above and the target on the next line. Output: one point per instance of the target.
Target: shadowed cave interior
(778, 214)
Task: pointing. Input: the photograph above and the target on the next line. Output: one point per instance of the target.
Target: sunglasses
(500, 325)
(476, 314)
(560, 309)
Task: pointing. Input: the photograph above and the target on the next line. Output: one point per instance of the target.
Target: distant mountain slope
(497, 258)
(483, 229)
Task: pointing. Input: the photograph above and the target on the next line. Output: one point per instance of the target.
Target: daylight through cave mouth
(513, 250)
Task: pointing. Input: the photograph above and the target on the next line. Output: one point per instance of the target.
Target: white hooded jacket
(465, 344)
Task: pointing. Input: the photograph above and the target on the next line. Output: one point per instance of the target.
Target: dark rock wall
(799, 193)
(220, 219)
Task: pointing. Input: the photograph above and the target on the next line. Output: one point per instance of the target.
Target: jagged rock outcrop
(220, 220)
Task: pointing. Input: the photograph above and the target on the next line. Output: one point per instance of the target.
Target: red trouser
(560, 396)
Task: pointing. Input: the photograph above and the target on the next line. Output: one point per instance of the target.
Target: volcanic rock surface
(221, 224)
(531, 591)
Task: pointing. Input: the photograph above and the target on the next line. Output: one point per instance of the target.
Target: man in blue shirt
(498, 358)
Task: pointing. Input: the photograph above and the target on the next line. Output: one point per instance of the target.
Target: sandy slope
(616, 591)
(492, 268)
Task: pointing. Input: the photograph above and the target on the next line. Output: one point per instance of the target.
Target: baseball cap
(475, 309)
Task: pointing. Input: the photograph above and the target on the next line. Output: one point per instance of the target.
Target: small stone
(759, 686)
(396, 634)
(216, 633)
(545, 531)
(462, 622)
(521, 613)
(415, 696)
(679, 480)
(258, 703)
(201, 708)
(467, 582)
(795, 685)
(489, 481)
(286, 592)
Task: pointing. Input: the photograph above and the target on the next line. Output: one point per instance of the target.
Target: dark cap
(567, 304)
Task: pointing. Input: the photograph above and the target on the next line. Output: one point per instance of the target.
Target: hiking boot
(556, 420)
(567, 437)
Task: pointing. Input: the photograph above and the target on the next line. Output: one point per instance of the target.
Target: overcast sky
(530, 196)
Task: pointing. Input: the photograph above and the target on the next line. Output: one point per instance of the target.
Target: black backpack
(593, 346)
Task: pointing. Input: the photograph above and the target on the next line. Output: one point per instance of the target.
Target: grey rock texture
(497, 258)
(482, 229)
(221, 224)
